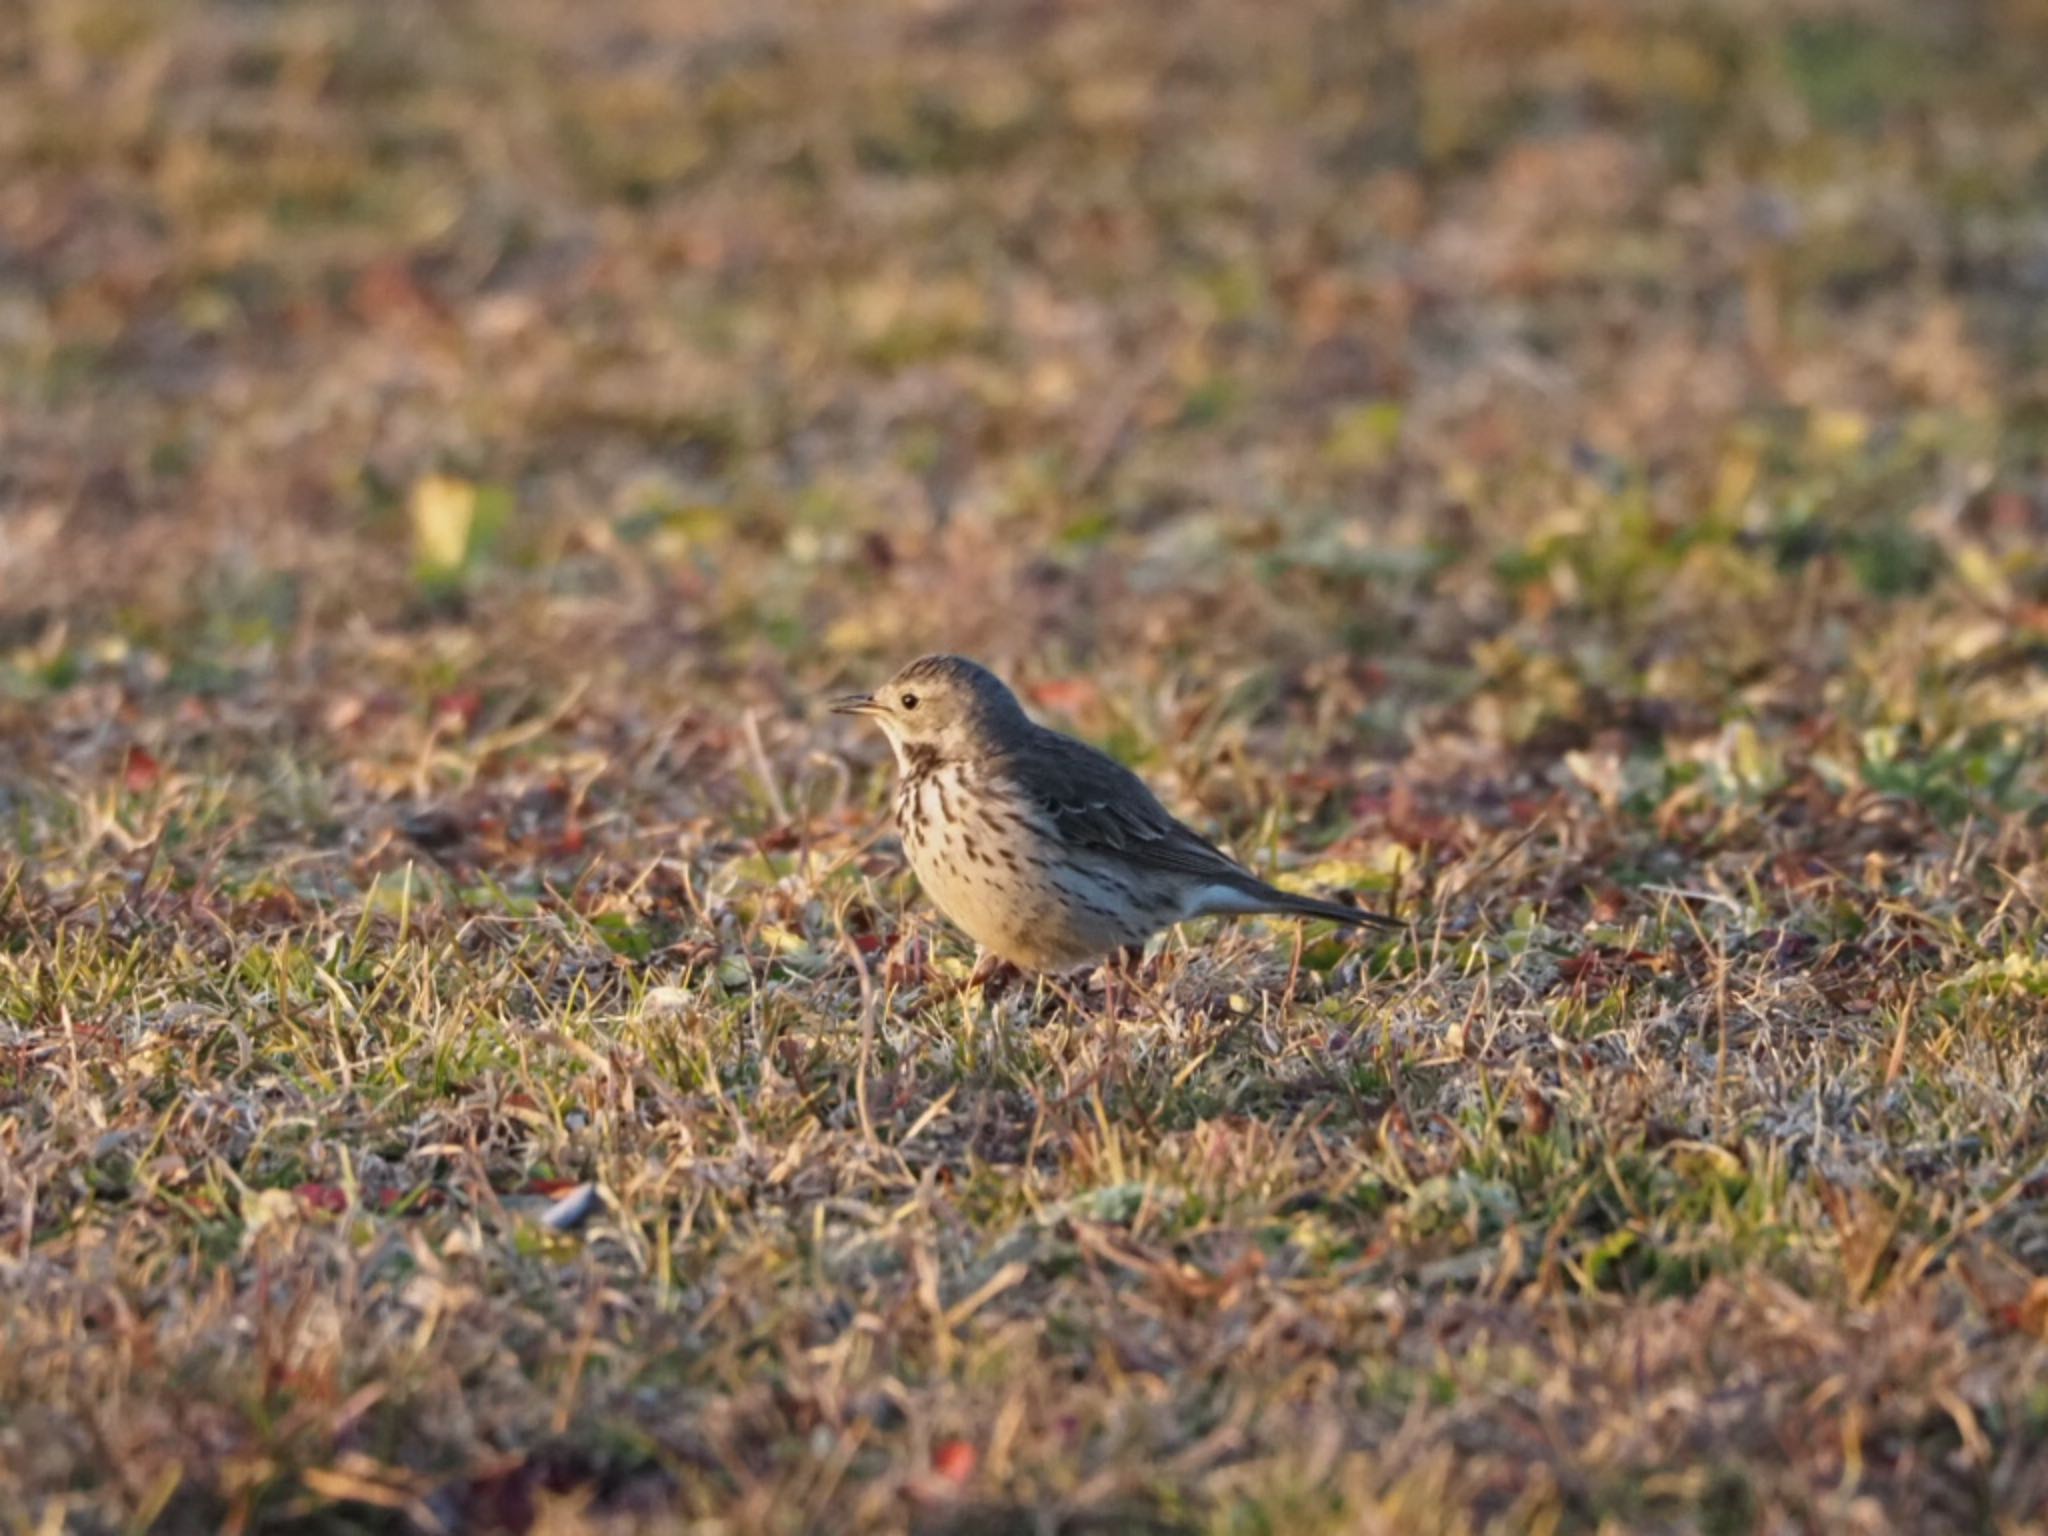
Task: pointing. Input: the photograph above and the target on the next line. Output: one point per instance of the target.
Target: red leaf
(1609, 902)
(1069, 695)
(386, 290)
(460, 706)
(1576, 967)
(331, 1198)
(140, 770)
(954, 1460)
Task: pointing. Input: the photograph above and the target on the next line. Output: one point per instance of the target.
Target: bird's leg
(992, 973)
(1118, 971)
(1118, 984)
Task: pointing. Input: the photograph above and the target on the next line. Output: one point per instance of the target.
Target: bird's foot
(992, 973)
(1123, 977)
(908, 964)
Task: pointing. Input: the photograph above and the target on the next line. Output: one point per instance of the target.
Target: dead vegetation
(1573, 470)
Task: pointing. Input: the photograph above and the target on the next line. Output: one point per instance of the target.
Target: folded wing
(1092, 801)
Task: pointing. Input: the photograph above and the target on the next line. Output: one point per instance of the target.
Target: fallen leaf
(331, 1198)
(443, 512)
(954, 1460)
(140, 770)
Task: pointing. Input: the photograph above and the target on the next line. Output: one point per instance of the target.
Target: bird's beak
(856, 704)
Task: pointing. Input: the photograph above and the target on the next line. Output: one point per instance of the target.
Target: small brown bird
(1047, 852)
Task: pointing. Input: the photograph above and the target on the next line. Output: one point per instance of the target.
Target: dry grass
(1574, 470)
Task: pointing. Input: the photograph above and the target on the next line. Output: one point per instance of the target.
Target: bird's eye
(908, 701)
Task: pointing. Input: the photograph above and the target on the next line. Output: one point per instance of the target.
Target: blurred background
(1437, 346)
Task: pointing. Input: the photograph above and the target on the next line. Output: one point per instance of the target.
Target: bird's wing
(1094, 802)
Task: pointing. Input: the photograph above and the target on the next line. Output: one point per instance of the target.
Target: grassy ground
(1572, 470)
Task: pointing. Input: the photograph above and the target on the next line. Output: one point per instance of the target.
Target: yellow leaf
(1837, 432)
(443, 514)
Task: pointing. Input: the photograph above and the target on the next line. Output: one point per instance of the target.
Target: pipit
(1047, 852)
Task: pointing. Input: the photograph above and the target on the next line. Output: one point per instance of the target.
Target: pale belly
(1009, 891)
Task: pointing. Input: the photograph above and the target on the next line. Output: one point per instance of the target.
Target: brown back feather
(1097, 803)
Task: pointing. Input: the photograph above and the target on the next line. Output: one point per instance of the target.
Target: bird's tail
(1257, 896)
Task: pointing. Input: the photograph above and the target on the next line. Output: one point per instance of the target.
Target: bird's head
(939, 709)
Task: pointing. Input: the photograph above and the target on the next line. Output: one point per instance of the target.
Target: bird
(1048, 853)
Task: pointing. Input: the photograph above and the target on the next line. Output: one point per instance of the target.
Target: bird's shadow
(1024, 1064)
